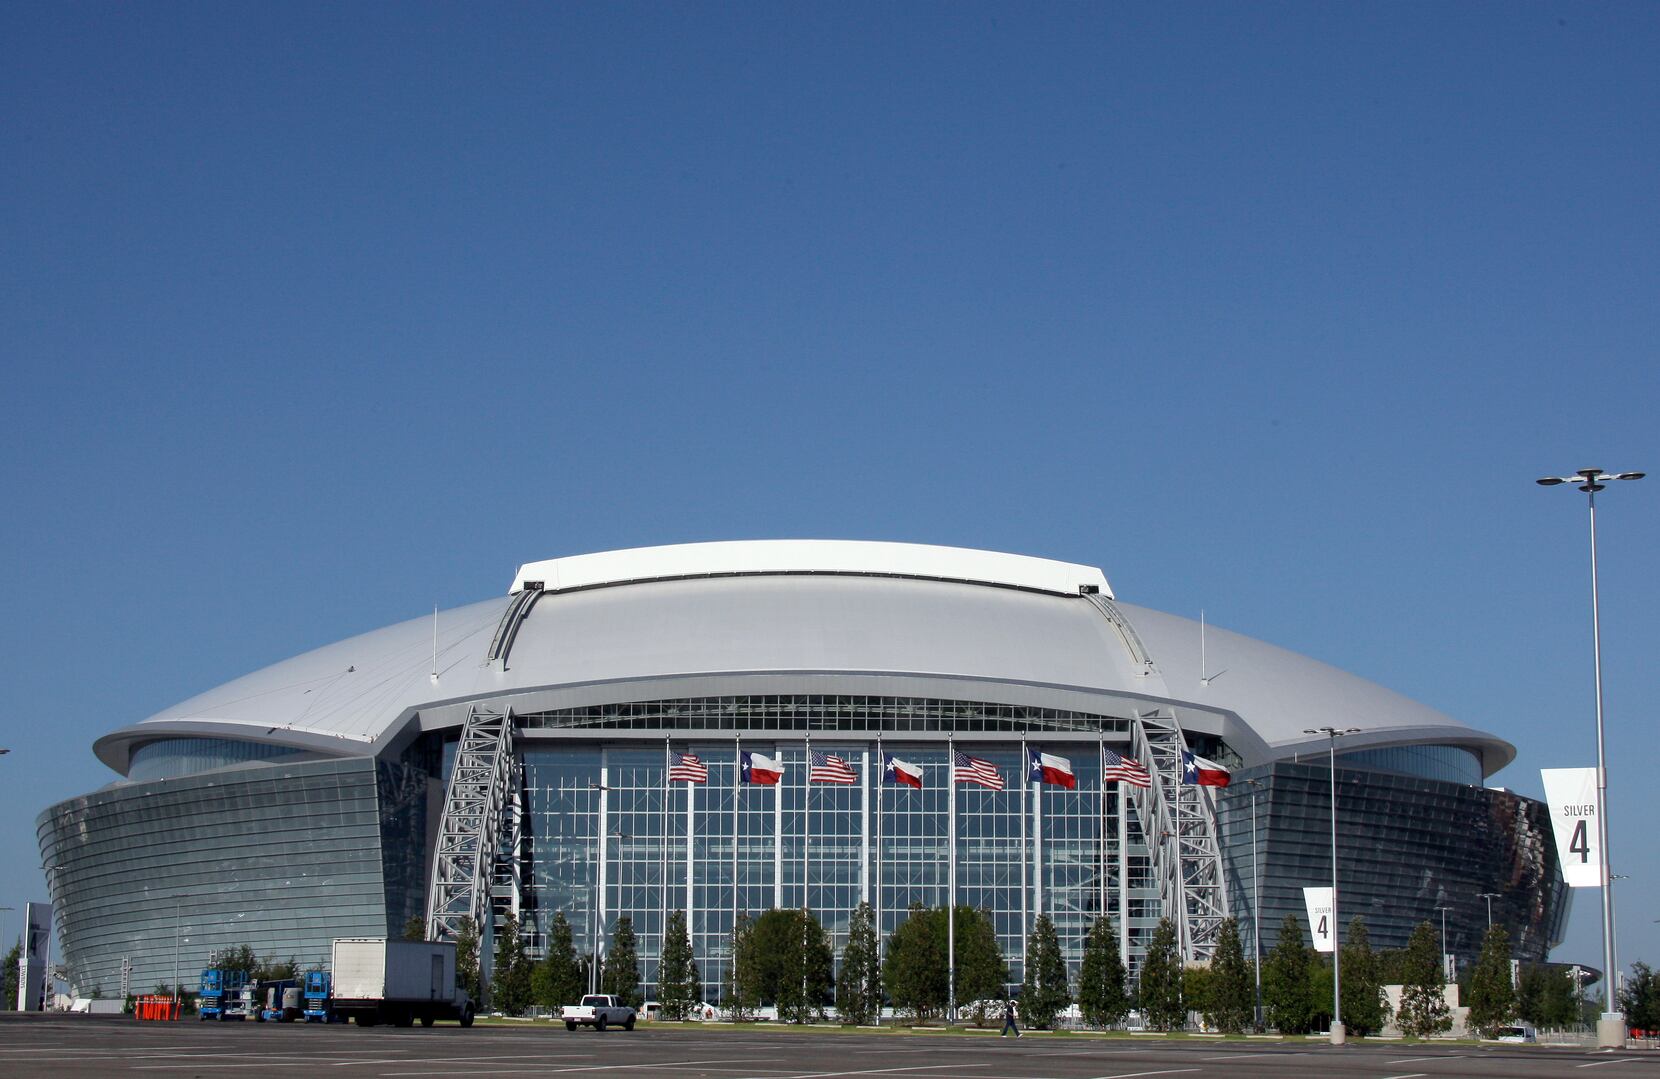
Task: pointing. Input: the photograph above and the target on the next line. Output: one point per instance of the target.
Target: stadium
(578, 745)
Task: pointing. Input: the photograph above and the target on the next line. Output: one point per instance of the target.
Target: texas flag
(762, 769)
(899, 771)
(1198, 772)
(1048, 768)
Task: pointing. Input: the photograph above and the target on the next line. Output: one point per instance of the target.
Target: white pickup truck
(598, 1011)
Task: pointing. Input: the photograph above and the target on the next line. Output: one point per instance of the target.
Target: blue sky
(314, 316)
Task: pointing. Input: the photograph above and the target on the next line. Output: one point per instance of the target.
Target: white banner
(31, 965)
(1571, 794)
(1320, 928)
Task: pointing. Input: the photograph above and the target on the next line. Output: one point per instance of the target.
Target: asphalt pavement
(96, 1047)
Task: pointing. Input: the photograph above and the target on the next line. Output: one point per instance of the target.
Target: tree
(415, 928)
(1160, 991)
(239, 958)
(620, 976)
(466, 959)
(1365, 1006)
(982, 971)
(1232, 997)
(1492, 997)
(859, 985)
(510, 977)
(1424, 1009)
(678, 987)
(1640, 998)
(1101, 995)
(1545, 997)
(1044, 992)
(1285, 981)
(275, 970)
(914, 972)
(802, 975)
(557, 979)
(742, 977)
(8, 978)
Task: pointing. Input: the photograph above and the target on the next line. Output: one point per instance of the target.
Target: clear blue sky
(316, 315)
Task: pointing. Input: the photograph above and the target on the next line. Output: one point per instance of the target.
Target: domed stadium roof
(798, 616)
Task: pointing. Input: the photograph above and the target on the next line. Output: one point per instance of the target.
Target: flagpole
(1025, 863)
(1101, 816)
(778, 832)
(807, 824)
(737, 792)
(877, 905)
(1123, 876)
(951, 883)
(663, 872)
(1037, 846)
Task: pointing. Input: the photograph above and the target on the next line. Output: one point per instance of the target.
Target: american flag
(974, 770)
(687, 768)
(829, 768)
(1115, 768)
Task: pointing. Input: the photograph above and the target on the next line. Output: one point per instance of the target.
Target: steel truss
(1179, 820)
(470, 830)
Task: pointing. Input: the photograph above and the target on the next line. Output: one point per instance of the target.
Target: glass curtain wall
(609, 835)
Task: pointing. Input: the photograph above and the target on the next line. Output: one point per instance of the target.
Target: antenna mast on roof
(435, 644)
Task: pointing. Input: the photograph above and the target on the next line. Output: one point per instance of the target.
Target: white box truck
(377, 980)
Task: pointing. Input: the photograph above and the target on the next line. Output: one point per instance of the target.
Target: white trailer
(377, 980)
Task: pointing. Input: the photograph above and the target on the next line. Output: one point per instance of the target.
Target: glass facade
(1407, 846)
(606, 835)
(285, 856)
(171, 758)
(282, 858)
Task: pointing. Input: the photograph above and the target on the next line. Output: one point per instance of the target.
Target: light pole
(1489, 896)
(1337, 1030)
(1256, 903)
(177, 906)
(1611, 1027)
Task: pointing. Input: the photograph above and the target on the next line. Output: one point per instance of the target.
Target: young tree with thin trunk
(1285, 981)
(1160, 991)
(1232, 991)
(914, 971)
(1492, 997)
(620, 975)
(859, 985)
(678, 988)
(742, 977)
(466, 960)
(1101, 995)
(981, 970)
(557, 979)
(1365, 1006)
(1424, 1009)
(510, 976)
(1044, 991)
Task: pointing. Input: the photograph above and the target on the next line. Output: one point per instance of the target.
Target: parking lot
(68, 1047)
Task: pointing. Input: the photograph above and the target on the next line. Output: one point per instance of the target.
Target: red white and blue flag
(1117, 769)
(1198, 772)
(901, 772)
(1048, 768)
(982, 773)
(829, 768)
(685, 768)
(761, 769)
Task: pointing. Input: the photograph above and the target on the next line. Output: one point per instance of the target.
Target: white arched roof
(827, 617)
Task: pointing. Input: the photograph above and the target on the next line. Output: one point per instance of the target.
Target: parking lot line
(1162, 1071)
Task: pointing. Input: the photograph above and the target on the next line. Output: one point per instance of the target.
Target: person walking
(1011, 1013)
